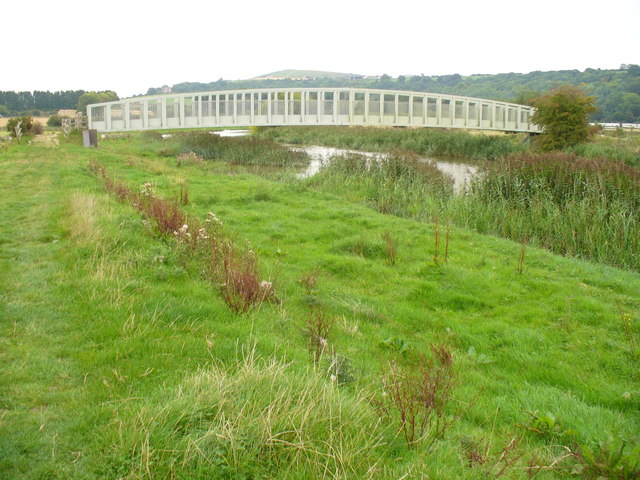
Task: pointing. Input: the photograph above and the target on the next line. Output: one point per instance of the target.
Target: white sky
(129, 46)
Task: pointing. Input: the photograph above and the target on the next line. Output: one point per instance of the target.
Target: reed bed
(247, 151)
(423, 141)
(585, 207)
(399, 184)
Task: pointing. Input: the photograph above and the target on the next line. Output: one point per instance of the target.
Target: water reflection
(460, 172)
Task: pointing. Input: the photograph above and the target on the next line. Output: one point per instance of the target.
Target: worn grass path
(103, 327)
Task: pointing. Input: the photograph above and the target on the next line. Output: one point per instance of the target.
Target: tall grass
(248, 151)
(571, 205)
(611, 152)
(399, 184)
(423, 141)
(257, 419)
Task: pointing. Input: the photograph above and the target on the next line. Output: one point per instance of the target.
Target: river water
(460, 172)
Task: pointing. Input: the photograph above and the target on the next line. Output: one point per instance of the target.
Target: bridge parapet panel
(308, 106)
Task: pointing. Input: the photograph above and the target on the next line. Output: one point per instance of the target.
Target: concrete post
(125, 116)
(465, 105)
(145, 114)
(410, 108)
(235, 108)
(366, 107)
(286, 107)
(396, 108)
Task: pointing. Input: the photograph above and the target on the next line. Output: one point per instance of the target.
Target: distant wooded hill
(617, 92)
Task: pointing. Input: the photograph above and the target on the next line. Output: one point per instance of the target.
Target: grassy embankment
(121, 359)
(568, 204)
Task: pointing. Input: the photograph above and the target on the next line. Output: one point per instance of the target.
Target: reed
(586, 207)
(423, 141)
(247, 151)
(400, 184)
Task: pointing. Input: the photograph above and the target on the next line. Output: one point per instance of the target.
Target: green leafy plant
(479, 357)
(610, 459)
(563, 113)
(395, 345)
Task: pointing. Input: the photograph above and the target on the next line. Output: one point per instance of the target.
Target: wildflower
(147, 189)
(201, 234)
(211, 217)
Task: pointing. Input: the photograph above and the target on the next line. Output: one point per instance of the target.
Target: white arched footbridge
(308, 106)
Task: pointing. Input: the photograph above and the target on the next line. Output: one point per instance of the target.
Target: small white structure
(309, 106)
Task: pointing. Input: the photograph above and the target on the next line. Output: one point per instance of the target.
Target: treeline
(617, 92)
(26, 102)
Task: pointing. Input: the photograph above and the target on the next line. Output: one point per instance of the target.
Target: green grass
(118, 359)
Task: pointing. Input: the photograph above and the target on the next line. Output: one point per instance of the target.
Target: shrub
(54, 121)
(419, 398)
(563, 113)
(26, 124)
(243, 288)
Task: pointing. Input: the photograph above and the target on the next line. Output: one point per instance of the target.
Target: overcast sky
(129, 46)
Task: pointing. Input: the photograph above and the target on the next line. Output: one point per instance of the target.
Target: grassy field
(387, 347)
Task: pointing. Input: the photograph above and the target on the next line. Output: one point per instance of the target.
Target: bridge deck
(308, 106)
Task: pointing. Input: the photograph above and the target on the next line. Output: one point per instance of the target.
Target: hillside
(304, 74)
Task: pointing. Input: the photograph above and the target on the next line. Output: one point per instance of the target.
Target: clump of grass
(390, 247)
(418, 398)
(436, 240)
(318, 327)
(183, 193)
(257, 418)
(521, 254)
(83, 219)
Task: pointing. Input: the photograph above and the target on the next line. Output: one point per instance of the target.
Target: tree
(563, 114)
(95, 97)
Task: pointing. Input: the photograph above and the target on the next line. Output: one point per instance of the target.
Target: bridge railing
(308, 106)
